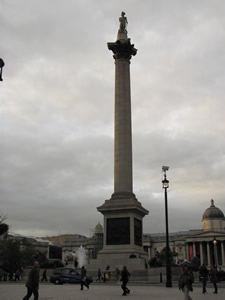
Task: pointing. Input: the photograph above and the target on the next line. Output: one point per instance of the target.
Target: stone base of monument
(132, 260)
(123, 231)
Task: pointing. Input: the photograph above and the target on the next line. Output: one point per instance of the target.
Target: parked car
(67, 275)
(52, 263)
(221, 275)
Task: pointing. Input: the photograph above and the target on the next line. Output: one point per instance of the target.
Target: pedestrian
(5, 275)
(125, 278)
(75, 263)
(1, 273)
(203, 274)
(117, 274)
(213, 274)
(10, 276)
(108, 270)
(185, 282)
(99, 275)
(17, 275)
(83, 279)
(33, 282)
(44, 275)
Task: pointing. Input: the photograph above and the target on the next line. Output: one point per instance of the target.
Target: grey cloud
(56, 114)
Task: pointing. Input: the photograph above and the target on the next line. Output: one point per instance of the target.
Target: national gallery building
(208, 243)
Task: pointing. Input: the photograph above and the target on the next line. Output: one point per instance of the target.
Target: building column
(194, 249)
(201, 254)
(208, 255)
(149, 252)
(187, 252)
(222, 253)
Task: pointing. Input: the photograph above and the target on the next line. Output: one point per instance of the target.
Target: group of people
(10, 276)
(32, 283)
(122, 276)
(187, 278)
(185, 281)
(206, 275)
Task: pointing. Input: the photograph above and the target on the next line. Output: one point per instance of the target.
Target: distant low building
(48, 248)
(60, 239)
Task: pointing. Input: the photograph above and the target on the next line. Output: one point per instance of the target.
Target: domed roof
(98, 229)
(213, 212)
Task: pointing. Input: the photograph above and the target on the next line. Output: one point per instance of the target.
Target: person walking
(83, 279)
(99, 275)
(203, 274)
(125, 278)
(185, 283)
(33, 282)
(117, 274)
(17, 275)
(1, 273)
(213, 274)
(44, 275)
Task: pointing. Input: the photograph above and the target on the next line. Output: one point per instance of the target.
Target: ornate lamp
(1, 67)
(165, 185)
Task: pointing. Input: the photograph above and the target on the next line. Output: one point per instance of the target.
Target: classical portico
(208, 243)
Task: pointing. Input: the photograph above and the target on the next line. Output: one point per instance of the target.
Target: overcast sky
(57, 111)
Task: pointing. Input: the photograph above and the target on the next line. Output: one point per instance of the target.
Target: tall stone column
(123, 213)
(208, 255)
(194, 249)
(123, 173)
(201, 254)
(222, 253)
(123, 142)
(187, 251)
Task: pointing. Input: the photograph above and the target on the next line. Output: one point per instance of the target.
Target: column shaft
(123, 133)
(194, 249)
(222, 253)
(201, 254)
(208, 255)
(187, 251)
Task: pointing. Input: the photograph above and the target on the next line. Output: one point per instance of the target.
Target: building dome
(98, 229)
(213, 212)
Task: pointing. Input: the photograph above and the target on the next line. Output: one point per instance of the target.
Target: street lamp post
(165, 185)
(1, 67)
(215, 250)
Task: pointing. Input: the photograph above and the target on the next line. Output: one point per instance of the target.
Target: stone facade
(208, 243)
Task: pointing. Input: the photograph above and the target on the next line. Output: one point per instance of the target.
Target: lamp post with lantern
(165, 185)
(1, 67)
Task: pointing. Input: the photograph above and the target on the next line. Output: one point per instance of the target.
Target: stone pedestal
(123, 232)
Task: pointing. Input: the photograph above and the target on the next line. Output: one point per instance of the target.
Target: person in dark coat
(213, 274)
(75, 263)
(125, 278)
(33, 282)
(117, 274)
(83, 279)
(185, 282)
(203, 274)
(44, 275)
(99, 275)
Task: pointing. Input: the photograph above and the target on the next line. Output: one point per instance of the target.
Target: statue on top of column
(123, 23)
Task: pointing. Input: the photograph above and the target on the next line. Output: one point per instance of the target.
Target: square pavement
(47, 291)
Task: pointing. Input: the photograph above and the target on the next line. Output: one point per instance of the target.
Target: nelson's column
(123, 213)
